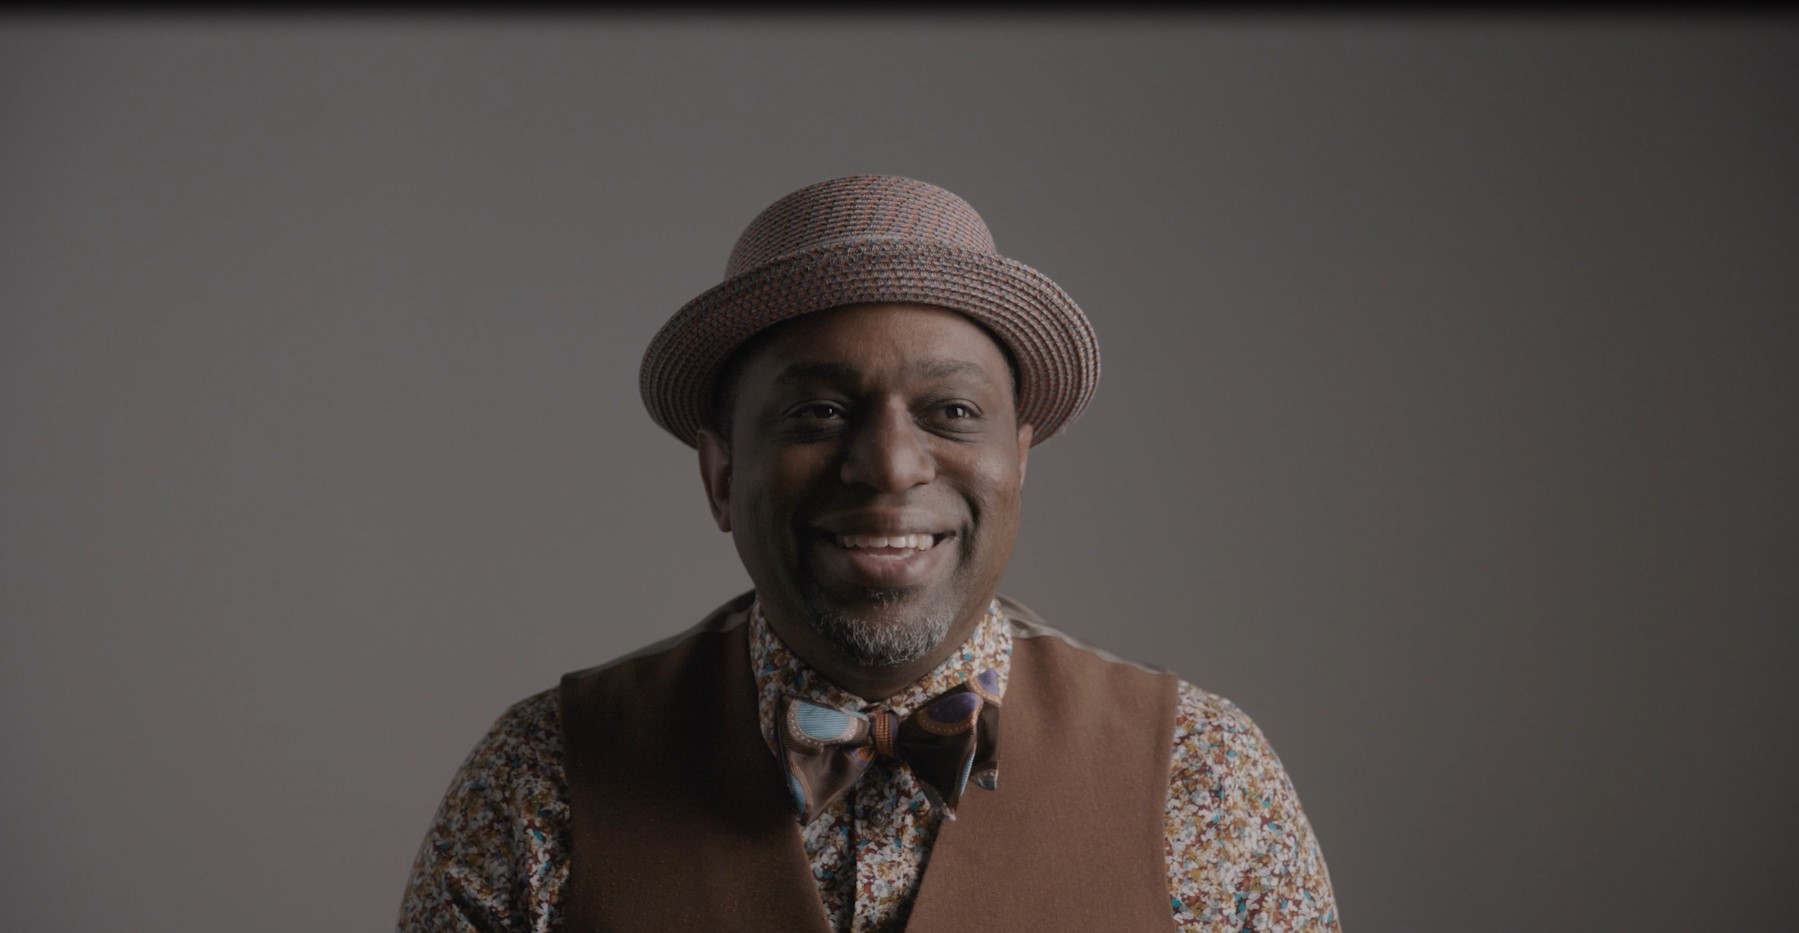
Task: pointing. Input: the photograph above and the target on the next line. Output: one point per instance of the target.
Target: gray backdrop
(1447, 422)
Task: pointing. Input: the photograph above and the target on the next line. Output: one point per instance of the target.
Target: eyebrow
(844, 373)
(943, 369)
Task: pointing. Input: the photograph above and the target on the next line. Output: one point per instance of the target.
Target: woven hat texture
(873, 238)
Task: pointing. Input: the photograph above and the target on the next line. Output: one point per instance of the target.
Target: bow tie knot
(949, 740)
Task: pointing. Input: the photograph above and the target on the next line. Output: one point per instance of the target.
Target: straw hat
(873, 238)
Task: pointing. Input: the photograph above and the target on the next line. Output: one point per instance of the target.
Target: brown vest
(681, 819)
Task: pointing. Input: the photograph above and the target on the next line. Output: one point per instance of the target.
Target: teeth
(910, 542)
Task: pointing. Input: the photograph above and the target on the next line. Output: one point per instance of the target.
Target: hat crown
(858, 207)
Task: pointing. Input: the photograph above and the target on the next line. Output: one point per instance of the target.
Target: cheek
(769, 498)
(995, 490)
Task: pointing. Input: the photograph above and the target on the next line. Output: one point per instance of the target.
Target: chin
(883, 627)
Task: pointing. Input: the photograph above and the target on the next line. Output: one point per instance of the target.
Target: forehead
(884, 341)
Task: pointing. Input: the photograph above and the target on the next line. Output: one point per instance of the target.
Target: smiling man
(824, 753)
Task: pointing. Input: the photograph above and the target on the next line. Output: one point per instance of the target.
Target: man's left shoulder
(1207, 726)
(1023, 623)
(1213, 734)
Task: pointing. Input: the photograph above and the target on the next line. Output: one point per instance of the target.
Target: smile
(884, 561)
(889, 543)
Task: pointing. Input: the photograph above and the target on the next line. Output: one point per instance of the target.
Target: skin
(870, 419)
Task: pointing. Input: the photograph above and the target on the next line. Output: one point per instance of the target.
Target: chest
(679, 819)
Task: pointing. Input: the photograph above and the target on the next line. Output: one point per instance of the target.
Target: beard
(878, 642)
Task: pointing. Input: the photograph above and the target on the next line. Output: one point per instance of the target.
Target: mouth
(890, 545)
(884, 561)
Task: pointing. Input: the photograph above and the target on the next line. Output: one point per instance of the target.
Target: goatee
(879, 643)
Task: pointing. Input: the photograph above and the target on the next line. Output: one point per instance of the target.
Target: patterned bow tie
(951, 738)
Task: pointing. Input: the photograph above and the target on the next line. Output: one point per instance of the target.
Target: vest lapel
(1073, 838)
(680, 819)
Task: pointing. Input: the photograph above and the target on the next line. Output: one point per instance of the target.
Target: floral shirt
(1240, 853)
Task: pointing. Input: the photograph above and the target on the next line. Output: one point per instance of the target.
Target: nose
(889, 453)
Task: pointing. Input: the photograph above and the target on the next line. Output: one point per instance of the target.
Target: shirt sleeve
(1241, 855)
(494, 860)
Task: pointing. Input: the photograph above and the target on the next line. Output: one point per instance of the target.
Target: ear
(715, 472)
(1025, 433)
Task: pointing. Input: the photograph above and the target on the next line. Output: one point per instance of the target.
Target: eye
(816, 411)
(957, 411)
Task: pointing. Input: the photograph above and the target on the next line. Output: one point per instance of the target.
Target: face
(872, 479)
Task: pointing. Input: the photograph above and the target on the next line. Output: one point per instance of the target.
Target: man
(871, 739)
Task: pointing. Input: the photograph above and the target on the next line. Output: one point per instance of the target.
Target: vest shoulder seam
(1023, 623)
(719, 621)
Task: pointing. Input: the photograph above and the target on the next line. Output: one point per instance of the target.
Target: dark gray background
(1447, 422)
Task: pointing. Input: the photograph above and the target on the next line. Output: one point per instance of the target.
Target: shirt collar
(781, 673)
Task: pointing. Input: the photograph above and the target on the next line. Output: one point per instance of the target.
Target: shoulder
(1227, 790)
(1239, 843)
(726, 619)
(1216, 746)
(1204, 722)
(1214, 736)
(528, 730)
(518, 760)
(512, 775)
(493, 857)
(1240, 850)
(1023, 623)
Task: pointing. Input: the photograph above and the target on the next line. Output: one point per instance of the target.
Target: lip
(883, 524)
(883, 567)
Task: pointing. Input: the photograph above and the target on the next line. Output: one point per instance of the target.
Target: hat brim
(1050, 340)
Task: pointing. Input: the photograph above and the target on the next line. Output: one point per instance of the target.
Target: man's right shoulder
(526, 737)
(729, 616)
(530, 730)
